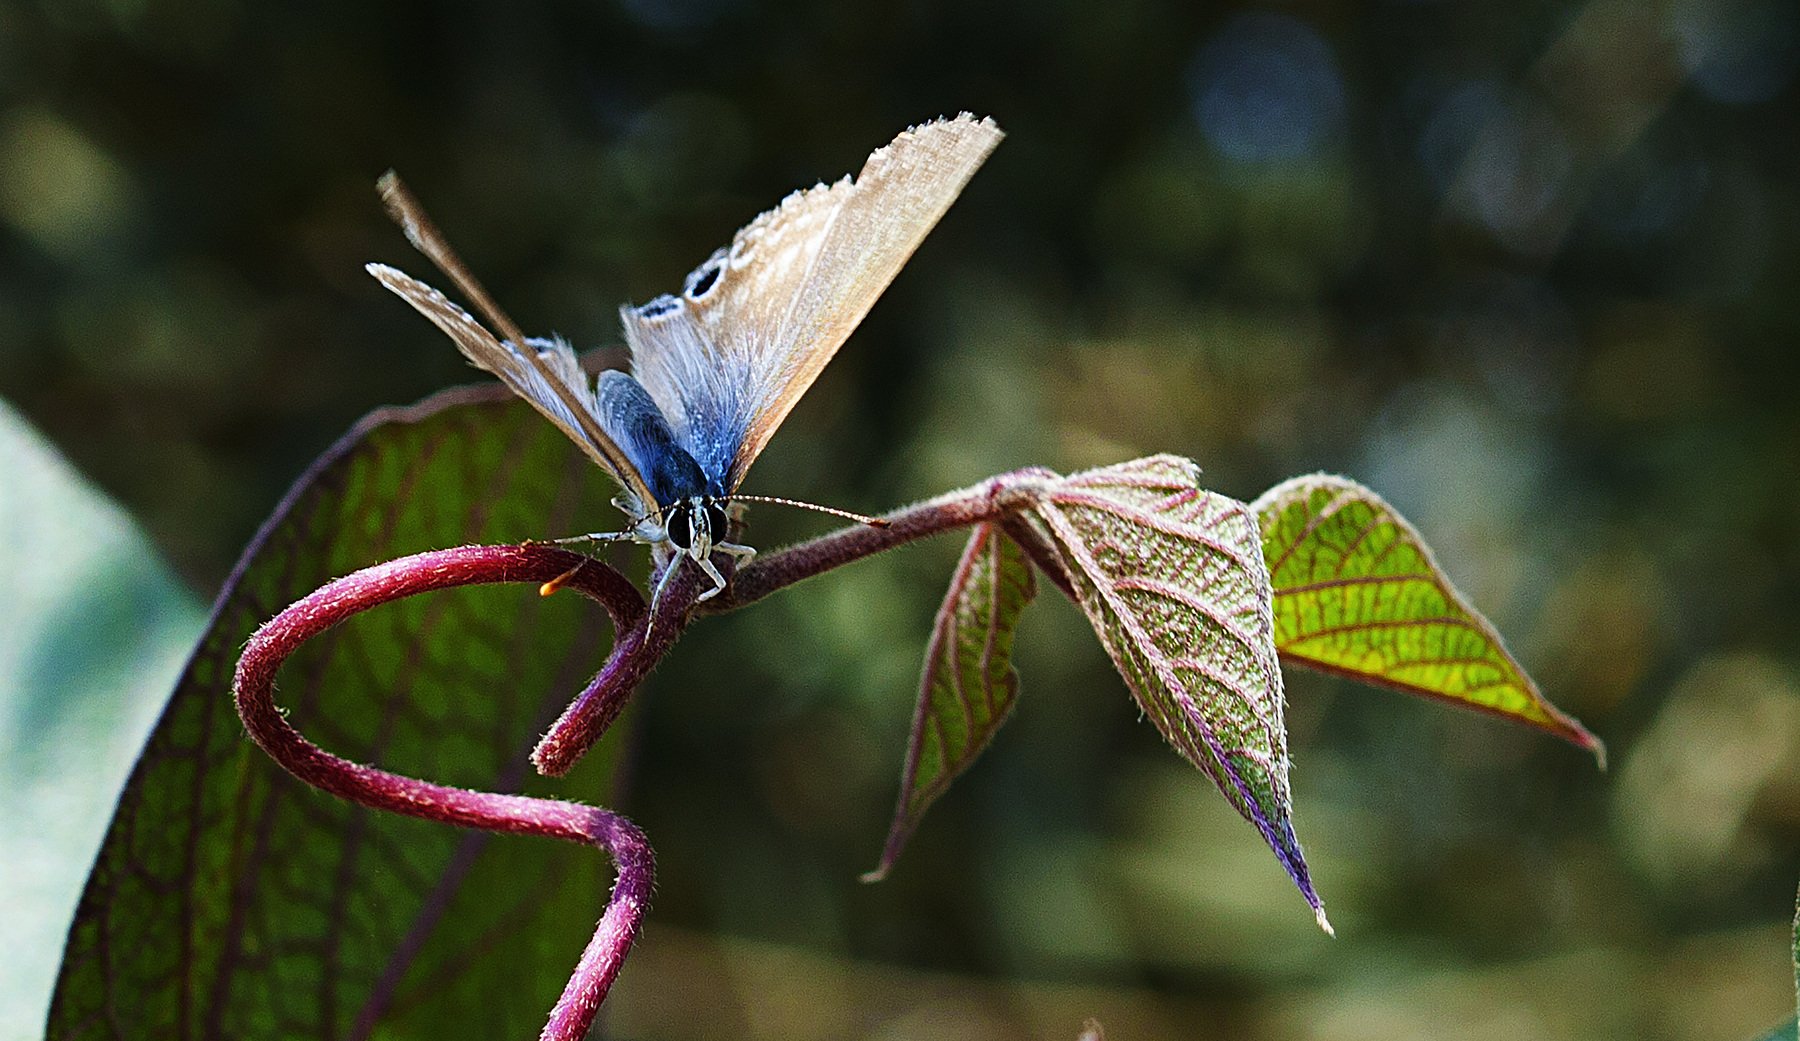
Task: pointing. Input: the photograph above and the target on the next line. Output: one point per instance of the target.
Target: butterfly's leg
(638, 532)
(550, 588)
(668, 576)
(712, 572)
(743, 554)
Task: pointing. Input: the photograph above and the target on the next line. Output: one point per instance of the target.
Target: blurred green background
(1527, 270)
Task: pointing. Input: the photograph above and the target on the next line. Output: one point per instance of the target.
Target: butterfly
(716, 367)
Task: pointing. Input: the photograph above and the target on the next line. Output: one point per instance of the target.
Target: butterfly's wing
(757, 323)
(897, 198)
(543, 372)
(704, 354)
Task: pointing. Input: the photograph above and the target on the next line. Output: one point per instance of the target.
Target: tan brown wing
(552, 381)
(703, 353)
(758, 321)
(896, 200)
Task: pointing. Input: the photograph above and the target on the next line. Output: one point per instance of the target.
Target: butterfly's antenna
(873, 522)
(427, 239)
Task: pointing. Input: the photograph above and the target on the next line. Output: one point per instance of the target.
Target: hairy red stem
(635, 653)
(992, 499)
(282, 635)
(640, 641)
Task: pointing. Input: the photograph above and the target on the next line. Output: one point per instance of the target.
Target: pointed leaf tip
(1358, 593)
(1173, 580)
(968, 686)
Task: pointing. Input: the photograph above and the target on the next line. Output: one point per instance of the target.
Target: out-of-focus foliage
(95, 631)
(1526, 271)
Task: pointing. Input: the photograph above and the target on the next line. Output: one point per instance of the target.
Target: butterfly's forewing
(898, 197)
(757, 323)
(552, 380)
(707, 385)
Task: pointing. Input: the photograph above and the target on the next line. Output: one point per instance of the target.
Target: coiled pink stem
(443, 569)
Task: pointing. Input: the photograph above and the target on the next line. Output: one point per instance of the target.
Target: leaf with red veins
(969, 684)
(1172, 579)
(230, 900)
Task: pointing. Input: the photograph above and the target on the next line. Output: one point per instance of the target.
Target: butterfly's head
(696, 524)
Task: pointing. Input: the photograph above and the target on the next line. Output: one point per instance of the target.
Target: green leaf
(1784, 1032)
(1173, 581)
(96, 629)
(230, 900)
(969, 684)
(1357, 593)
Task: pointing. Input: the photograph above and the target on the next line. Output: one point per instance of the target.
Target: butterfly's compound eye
(678, 523)
(716, 520)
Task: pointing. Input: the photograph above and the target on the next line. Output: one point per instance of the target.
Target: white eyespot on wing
(704, 281)
(550, 378)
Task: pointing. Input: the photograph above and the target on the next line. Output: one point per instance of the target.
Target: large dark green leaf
(232, 901)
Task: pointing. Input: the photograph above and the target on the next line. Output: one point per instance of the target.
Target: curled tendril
(517, 814)
(639, 642)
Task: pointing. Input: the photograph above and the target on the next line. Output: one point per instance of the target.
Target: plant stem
(1040, 552)
(635, 652)
(254, 691)
(640, 641)
(993, 499)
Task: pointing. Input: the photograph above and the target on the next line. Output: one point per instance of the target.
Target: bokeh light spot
(57, 187)
(1738, 53)
(1266, 90)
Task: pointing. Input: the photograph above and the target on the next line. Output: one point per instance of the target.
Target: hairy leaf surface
(1358, 593)
(969, 684)
(230, 900)
(1173, 580)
